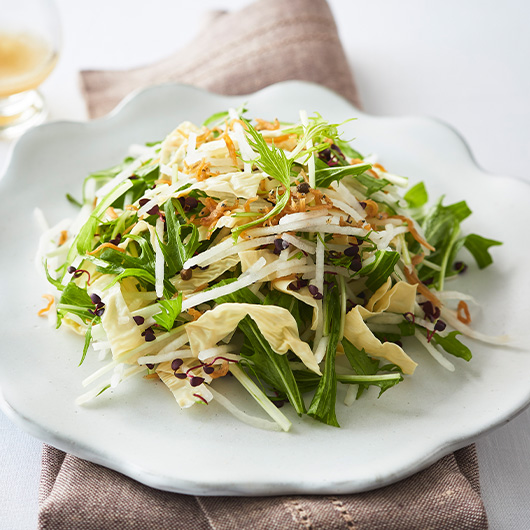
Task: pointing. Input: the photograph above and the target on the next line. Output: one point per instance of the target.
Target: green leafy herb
(417, 196)
(322, 406)
(452, 345)
(272, 161)
(325, 176)
(170, 311)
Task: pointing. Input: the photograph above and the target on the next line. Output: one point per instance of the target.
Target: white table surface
(466, 62)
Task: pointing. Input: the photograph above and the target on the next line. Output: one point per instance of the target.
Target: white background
(466, 62)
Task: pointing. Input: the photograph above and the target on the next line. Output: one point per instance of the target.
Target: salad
(272, 252)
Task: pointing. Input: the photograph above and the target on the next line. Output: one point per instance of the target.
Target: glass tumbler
(29, 48)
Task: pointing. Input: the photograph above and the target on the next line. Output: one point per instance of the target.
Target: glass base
(20, 112)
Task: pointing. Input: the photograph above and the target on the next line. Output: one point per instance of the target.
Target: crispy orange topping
(413, 231)
(371, 208)
(277, 139)
(220, 372)
(111, 212)
(231, 147)
(379, 166)
(50, 299)
(131, 207)
(237, 120)
(194, 313)
(413, 279)
(418, 258)
(247, 204)
(163, 181)
(63, 237)
(105, 245)
(264, 125)
(462, 312)
(151, 376)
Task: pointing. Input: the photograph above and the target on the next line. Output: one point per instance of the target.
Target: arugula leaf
(380, 269)
(272, 161)
(124, 265)
(347, 149)
(88, 338)
(325, 176)
(417, 196)
(74, 300)
(372, 184)
(322, 406)
(56, 283)
(368, 368)
(84, 239)
(269, 366)
(360, 362)
(175, 252)
(478, 246)
(452, 345)
(170, 311)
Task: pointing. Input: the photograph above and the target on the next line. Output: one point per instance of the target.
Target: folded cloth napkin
(267, 42)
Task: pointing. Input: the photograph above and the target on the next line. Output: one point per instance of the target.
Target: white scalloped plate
(140, 431)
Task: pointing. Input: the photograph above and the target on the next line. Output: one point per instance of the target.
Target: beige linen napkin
(267, 42)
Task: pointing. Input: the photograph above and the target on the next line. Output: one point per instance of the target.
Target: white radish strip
(165, 357)
(319, 266)
(351, 395)
(304, 226)
(302, 244)
(402, 182)
(346, 208)
(212, 352)
(127, 355)
(259, 423)
(176, 344)
(91, 394)
(350, 199)
(123, 175)
(450, 317)
(320, 350)
(117, 375)
(225, 249)
(159, 259)
(246, 279)
(103, 345)
(148, 311)
(302, 216)
(454, 295)
(260, 397)
(434, 352)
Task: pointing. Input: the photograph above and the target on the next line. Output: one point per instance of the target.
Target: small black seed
(460, 266)
(139, 320)
(182, 201)
(154, 210)
(176, 364)
(440, 325)
(293, 286)
(190, 203)
(99, 312)
(351, 251)
(196, 381)
(363, 204)
(149, 337)
(303, 187)
(313, 289)
(186, 274)
(208, 369)
(71, 269)
(150, 366)
(143, 202)
(356, 264)
(116, 240)
(318, 296)
(95, 299)
(181, 376)
(279, 245)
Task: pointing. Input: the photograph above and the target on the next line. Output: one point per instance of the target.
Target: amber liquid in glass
(25, 62)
